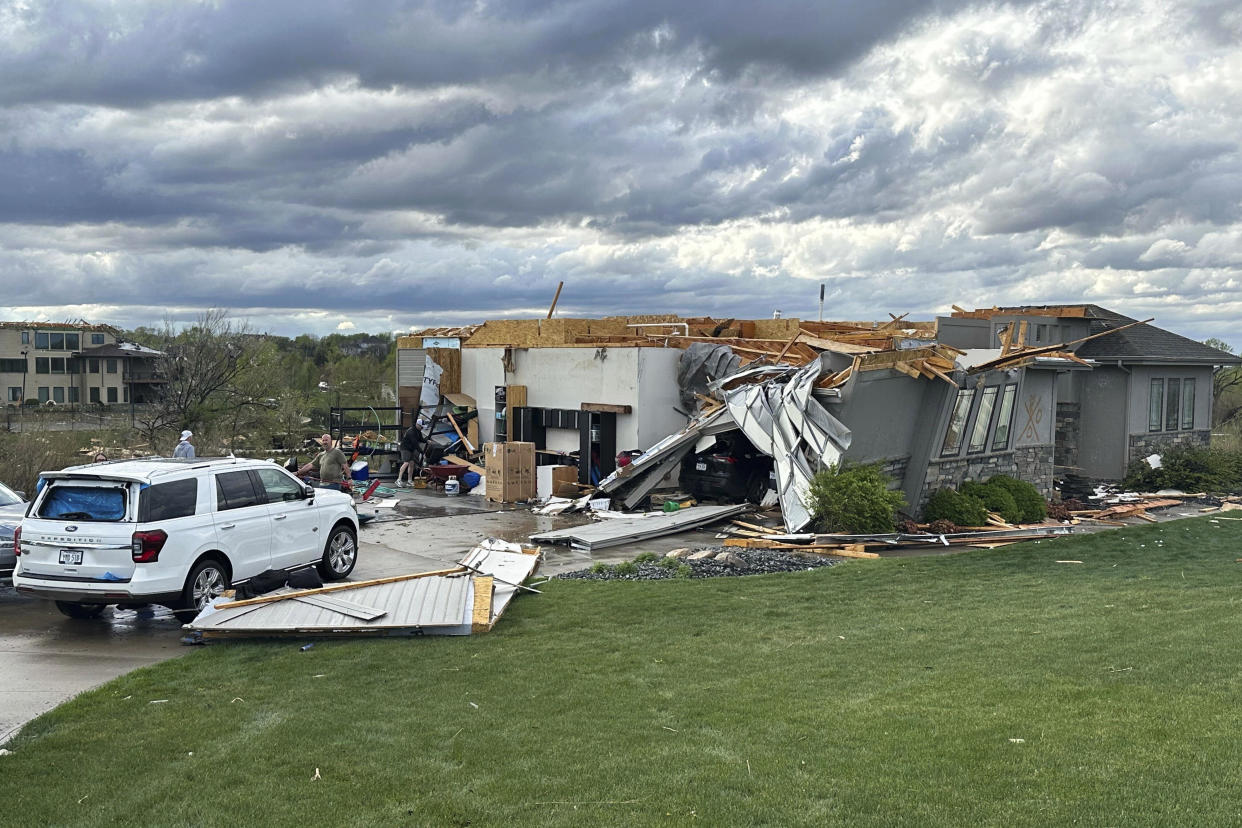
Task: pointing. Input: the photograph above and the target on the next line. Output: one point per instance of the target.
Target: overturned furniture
(465, 599)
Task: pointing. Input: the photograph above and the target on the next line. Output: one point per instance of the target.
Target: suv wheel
(83, 611)
(340, 554)
(205, 582)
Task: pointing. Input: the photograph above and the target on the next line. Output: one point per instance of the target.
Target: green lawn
(990, 687)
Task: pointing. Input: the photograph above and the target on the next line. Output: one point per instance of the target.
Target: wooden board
(481, 612)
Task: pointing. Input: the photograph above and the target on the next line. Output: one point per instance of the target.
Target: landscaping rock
(729, 558)
(748, 562)
(678, 553)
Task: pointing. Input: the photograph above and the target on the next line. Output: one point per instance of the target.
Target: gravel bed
(754, 562)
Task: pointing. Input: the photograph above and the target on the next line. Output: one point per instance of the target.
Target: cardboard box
(510, 471)
(556, 480)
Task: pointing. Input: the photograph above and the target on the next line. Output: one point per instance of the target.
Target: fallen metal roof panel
(616, 532)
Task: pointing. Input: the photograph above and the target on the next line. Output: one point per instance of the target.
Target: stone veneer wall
(1030, 463)
(896, 469)
(1067, 431)
(1143, 445)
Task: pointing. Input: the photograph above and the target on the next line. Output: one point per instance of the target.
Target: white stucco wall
(568, 377)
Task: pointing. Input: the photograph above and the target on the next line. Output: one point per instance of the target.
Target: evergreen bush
(1032, 508)
(855, 500)
(995, 498)
(955, 507)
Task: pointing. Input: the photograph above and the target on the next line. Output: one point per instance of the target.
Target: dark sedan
(12, 508)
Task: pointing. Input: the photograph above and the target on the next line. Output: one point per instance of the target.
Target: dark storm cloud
(137, 54)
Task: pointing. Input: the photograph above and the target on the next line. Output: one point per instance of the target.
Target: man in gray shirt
(184, 448)
(331, 462)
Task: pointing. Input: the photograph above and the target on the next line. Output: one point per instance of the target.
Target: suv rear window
(165, 501)
(100, 503)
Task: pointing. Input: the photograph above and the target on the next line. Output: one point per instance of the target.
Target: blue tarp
(84, 503)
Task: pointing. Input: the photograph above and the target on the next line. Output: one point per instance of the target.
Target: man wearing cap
(331, 462)
(184, 448)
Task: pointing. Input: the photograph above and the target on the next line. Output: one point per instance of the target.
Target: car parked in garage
(175, 532)
(12, 507)
(731, 470)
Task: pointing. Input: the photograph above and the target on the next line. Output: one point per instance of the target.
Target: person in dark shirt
(410, 442)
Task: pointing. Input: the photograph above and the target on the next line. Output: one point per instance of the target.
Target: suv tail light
(17, 541)
(146, 546)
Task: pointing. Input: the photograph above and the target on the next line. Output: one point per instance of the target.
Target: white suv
(175, 532)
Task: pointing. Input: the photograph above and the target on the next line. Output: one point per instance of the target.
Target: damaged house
(1015, 391)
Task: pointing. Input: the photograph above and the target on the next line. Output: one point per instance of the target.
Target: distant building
(73, 364)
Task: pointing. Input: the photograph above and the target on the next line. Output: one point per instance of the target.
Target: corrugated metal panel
(411, 364)
(438, 601)
(618, 531)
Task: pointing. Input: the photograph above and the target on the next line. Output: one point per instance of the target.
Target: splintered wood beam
(555, 298)
(907, 370)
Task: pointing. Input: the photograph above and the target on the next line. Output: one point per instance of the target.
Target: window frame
(41, 337)
(967, 396)
(1188, 412)
(1155, 405)
(1004, 416)
(981, 427)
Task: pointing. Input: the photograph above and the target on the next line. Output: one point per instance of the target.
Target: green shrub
(955, 507)
(684, 570)
(626, 568)
(600, 567)
(1032, 508)
(995, 498)
(647, 557)
(1191, 469)
(668, 563)
(855, 500)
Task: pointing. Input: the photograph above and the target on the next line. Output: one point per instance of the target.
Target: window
(1155, 405)
(73, 365)
(44, 394)
(1171, 404)
(97, 339)
(92, 366)
(125, 394)
(71, 342)
(1041, 333)
(165, 501)
(13, 366)
(957, 422)
(280, 487)
(1188, 403)
(983, 419)
(15, 394)
(41, 340)
(75, 394)
(58, 365)
(57, 341)
(94, 395)
(235, 490)
(112, 394)
(42, 365)
(112, 366)
(102, 503)
(25, 337)
(58, 395)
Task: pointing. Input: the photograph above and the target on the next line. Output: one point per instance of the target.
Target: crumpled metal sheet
(781, 418)
(784, 420)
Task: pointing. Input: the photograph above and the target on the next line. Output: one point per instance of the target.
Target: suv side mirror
(308, 491)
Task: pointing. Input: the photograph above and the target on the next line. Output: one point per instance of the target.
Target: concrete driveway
(46, 658)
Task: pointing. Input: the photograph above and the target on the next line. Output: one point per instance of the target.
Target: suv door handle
(228, 526)
(280, 517)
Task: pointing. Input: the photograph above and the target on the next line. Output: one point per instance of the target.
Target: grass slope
(888, 692)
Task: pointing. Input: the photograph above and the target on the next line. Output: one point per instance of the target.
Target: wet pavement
(46, 658)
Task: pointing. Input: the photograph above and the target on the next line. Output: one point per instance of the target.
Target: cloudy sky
(381, 165)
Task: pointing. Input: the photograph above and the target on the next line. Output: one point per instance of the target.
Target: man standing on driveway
(185, 448)
(332, 465)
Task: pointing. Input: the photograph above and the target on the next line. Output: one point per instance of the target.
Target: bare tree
(201, 364)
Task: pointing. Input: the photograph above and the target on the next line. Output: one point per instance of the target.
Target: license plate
(700, 467)
(71, 557)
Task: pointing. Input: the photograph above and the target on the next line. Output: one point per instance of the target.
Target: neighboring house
(1147, 390)
(73, 364)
